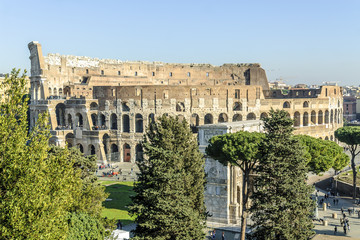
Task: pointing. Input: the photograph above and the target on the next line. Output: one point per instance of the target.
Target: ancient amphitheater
(103, 106)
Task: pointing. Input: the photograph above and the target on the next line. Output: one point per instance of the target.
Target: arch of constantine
(103, 106)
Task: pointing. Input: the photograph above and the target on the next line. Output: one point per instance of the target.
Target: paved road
(346, 203)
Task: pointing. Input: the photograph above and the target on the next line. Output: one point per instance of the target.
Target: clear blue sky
(299, 41)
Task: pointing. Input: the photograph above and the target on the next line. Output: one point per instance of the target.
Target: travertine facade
(103, 106)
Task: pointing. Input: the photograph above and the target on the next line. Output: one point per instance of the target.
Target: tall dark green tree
(169, 200)
(240, 149)
(281, 202)
(350, 135)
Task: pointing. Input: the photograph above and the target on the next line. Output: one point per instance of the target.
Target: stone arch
(286, 104)
(237, 106)
(326, 138)
(106, 142)
(60, 92)
(139, 123)
(331, 138)
(194, 122)
(102, 121)
(335, 116)
(94, 119)
(70, 122)
(114, 148)
(79, 120)
(113, 121)
(313, 117)
(91, 149)
(81, 148)
(127, 152)
(126, 123)
(70, 140)
(54, 92)
(251, 116)
(332, 116)
(263, 115)
(50, 91)
(223, 118)
(67, 91)
(125, 107)
(306, 104)
(114, 156)
(94, 106)
(320, 117)
(306, 119)
(208, 119)
(139, 152)
(237, 118)
(326, 116)
(180, 107)
(296, 119)
(60, 114)
(151, 118)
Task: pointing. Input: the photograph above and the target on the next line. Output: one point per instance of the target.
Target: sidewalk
(346, 203)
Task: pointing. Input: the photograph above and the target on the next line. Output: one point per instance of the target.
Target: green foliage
(36, 191)
(83, 226)
(235, 148)
(281, 202)
(169, 201)
(322, 155)
(351, 137)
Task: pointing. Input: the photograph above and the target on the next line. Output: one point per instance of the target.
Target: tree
(322, 155)
(36, 190)
(240, 149)
(281, 201)
(169, 200)
(350, 135)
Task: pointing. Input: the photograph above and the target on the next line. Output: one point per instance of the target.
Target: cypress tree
(282, 207)
(169, 200)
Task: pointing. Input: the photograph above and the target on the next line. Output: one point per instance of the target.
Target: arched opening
(326, 138)
(251, 116)
(50, 91)
(79, 120)
(151, 118)
(237, 106)
(113, 121)
(67, 91)
(126, 123)
(223, 118)
(106, 142)
(326, 117)
(331, 138)
(320, 117)
(237, 118)
(69, 139)
(139, 153)
(306, 104)
(60, 92)
(313, 117)
(286, 104)
(180, 107)
(127, 154)
(306, 119)
(91, 149)
(94, 106)
(208, 119)
(194, 122)
(335, 116)
(263, 115)
(102, 122)
(60, 114)
(125, 107)
(94, 119)
(70, 123)
(114, 152)
(81, 148)
(139, 126)
(296, 119)
(238, 193)
(54, 92)
(332, 116)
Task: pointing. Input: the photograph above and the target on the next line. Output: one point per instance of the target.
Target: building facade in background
(103, 106)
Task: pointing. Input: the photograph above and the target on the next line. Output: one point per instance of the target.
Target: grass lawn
(348, 177)
(120, 193)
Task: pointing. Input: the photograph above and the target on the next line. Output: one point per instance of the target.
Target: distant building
(301, 85)
(278, 85)
(349, 108)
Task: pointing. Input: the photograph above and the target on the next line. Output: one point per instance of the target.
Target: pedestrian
(328, 205)
(223, 236)
(334, 201)
(358, 213)
(348, 227)
(214, 234)
(349, 210)
(337, 201)
(211, 235)
(335, 230)
(341, 222)
(342, 210)
(345, 229)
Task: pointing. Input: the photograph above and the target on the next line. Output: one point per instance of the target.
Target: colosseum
(103, 106)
